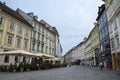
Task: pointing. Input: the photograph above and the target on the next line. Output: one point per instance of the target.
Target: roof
(13, 13)
(100, 11)
(49, 27)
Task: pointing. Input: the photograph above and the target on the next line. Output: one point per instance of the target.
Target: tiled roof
(12, 13)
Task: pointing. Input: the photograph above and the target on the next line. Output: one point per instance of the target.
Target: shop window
(6, 60)
(16, 59)
(24, 60)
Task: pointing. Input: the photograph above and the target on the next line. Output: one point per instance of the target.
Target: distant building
(105, 53)
(68, 57)
(113, 17)
(76, 55)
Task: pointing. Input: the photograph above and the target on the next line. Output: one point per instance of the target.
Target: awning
(47, 56)
(20, 53)
(25, 53)
(57, 59)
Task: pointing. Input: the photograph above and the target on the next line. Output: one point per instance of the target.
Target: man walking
(101, 65)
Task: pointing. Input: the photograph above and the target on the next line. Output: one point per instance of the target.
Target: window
(16, 59)
(26, 32)
(52, 51)
(38, 47)
(6, 60)
(25, 43)
(9, 39)
(1, 18)
(112, 44)
(42, 48)
(117, 41)
(33, 47)
(34, 33)
(110, 27)
(18, 42)
(115, 24)
(12, 25)
(46, 50)
(38, 36)
(19, 29)
(24, 60)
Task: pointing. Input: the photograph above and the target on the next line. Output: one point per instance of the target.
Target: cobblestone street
(67, 73)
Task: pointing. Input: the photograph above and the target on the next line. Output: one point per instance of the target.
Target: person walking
(101, 65)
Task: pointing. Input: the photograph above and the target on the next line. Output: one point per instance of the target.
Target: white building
(113, 17)
(44, 37)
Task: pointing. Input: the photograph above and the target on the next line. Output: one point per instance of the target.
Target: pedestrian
(101, 65)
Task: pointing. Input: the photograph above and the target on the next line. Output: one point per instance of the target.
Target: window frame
(12, 24)
(9, 39)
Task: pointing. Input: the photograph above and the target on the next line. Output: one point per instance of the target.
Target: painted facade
(44, 37)
(95, 44)
(113, 17)
(88, 53)
(15, 32)
(105, 53)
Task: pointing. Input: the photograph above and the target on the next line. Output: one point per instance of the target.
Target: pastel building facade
(44, 39)
(113, 17)
(15, 34)
(95, 44)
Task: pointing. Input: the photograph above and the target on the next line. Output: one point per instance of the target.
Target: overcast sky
(74, 19)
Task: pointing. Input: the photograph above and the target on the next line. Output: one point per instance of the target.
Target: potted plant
(11, 67)
(21, 66)
(15, 67)
(28, 67)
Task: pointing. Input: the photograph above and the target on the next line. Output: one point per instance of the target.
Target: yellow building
(15, 32)
(95, 44)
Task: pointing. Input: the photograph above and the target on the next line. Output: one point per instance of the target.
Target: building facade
(105, 53)
(88, 54)
(44, 36)
(50, 39)
(15, 32)
(113, 17)
(95, 44)
(68, 57)
(59, 49)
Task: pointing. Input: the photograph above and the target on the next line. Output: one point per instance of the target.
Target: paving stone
(67, 73)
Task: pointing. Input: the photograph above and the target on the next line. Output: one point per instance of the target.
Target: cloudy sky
(74, 19)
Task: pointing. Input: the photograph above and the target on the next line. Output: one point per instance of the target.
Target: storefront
(21, 56)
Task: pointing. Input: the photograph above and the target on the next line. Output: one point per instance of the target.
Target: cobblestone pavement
(67, 73)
